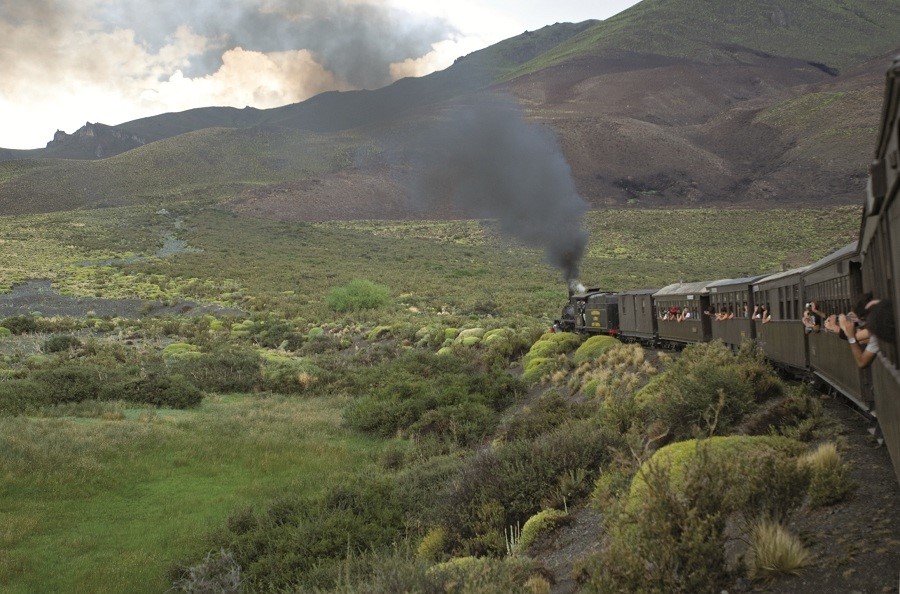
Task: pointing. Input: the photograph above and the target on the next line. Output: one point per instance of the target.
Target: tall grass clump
(774, 550)
(219, 572)
(830, 480)
(357, 295)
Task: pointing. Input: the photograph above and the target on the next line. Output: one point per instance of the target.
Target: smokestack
(487, 161)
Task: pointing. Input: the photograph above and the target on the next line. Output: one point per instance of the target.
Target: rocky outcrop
(93, 141)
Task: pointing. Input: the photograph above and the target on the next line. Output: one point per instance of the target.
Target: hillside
(676, 103)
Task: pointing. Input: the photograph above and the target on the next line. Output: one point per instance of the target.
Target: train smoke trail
(487, 161)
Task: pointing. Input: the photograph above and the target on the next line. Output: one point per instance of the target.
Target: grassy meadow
(113, 475)
(107, 504)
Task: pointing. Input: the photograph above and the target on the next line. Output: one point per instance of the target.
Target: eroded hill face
(678, 103)
(639, 130)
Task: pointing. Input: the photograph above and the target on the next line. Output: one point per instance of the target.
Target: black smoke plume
(488, 162)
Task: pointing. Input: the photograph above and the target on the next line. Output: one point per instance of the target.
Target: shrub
(829, 476)
(170, 391)
(550, 411)
(22, 396)
(303, 541)
(551, 344)
(218, 572)
(20, 324)
(539, 368)
(281, 335)
(401, 392)
(432, 545)
(774, 550)
(357, 295)
(707, 390)
(5, 332)
(287, 375)
(465, 423)
(540, 524)
(221, 370)
(157, 388)
(62, 342)
(672, 538)
(378, 333)
(180, 350)
(506, 485)
(72, 382)
(759, 473)
(593, 347)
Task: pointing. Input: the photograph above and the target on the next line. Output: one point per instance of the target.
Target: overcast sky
(65, 62)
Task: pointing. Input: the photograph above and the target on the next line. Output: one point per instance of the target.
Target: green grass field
(109, 505)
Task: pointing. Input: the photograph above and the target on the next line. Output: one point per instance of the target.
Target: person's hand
(847, 326)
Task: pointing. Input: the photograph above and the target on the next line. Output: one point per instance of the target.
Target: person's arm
(863, 357)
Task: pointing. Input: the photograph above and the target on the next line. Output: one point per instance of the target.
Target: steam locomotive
(678, 314)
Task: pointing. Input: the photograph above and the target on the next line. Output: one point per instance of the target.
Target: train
(683, 313)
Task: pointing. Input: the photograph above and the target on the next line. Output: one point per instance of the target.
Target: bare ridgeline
(486, 161)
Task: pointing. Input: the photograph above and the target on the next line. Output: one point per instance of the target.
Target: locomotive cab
(592, 311)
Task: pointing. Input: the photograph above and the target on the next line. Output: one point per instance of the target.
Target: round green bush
(743, 455)
(541, 523)
(593, 347)
(357, 295)
(537, 368)
(470, 332)
(180, 350)
(58, 344)
(4, 332)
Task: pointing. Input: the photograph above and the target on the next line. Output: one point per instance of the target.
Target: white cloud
(246, 78)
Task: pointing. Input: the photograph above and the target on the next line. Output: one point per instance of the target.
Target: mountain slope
(675, 103)
(831, 34)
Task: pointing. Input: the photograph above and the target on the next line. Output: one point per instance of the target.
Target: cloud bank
(66, 61)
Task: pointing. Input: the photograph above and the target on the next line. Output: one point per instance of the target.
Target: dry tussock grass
(774, 550)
